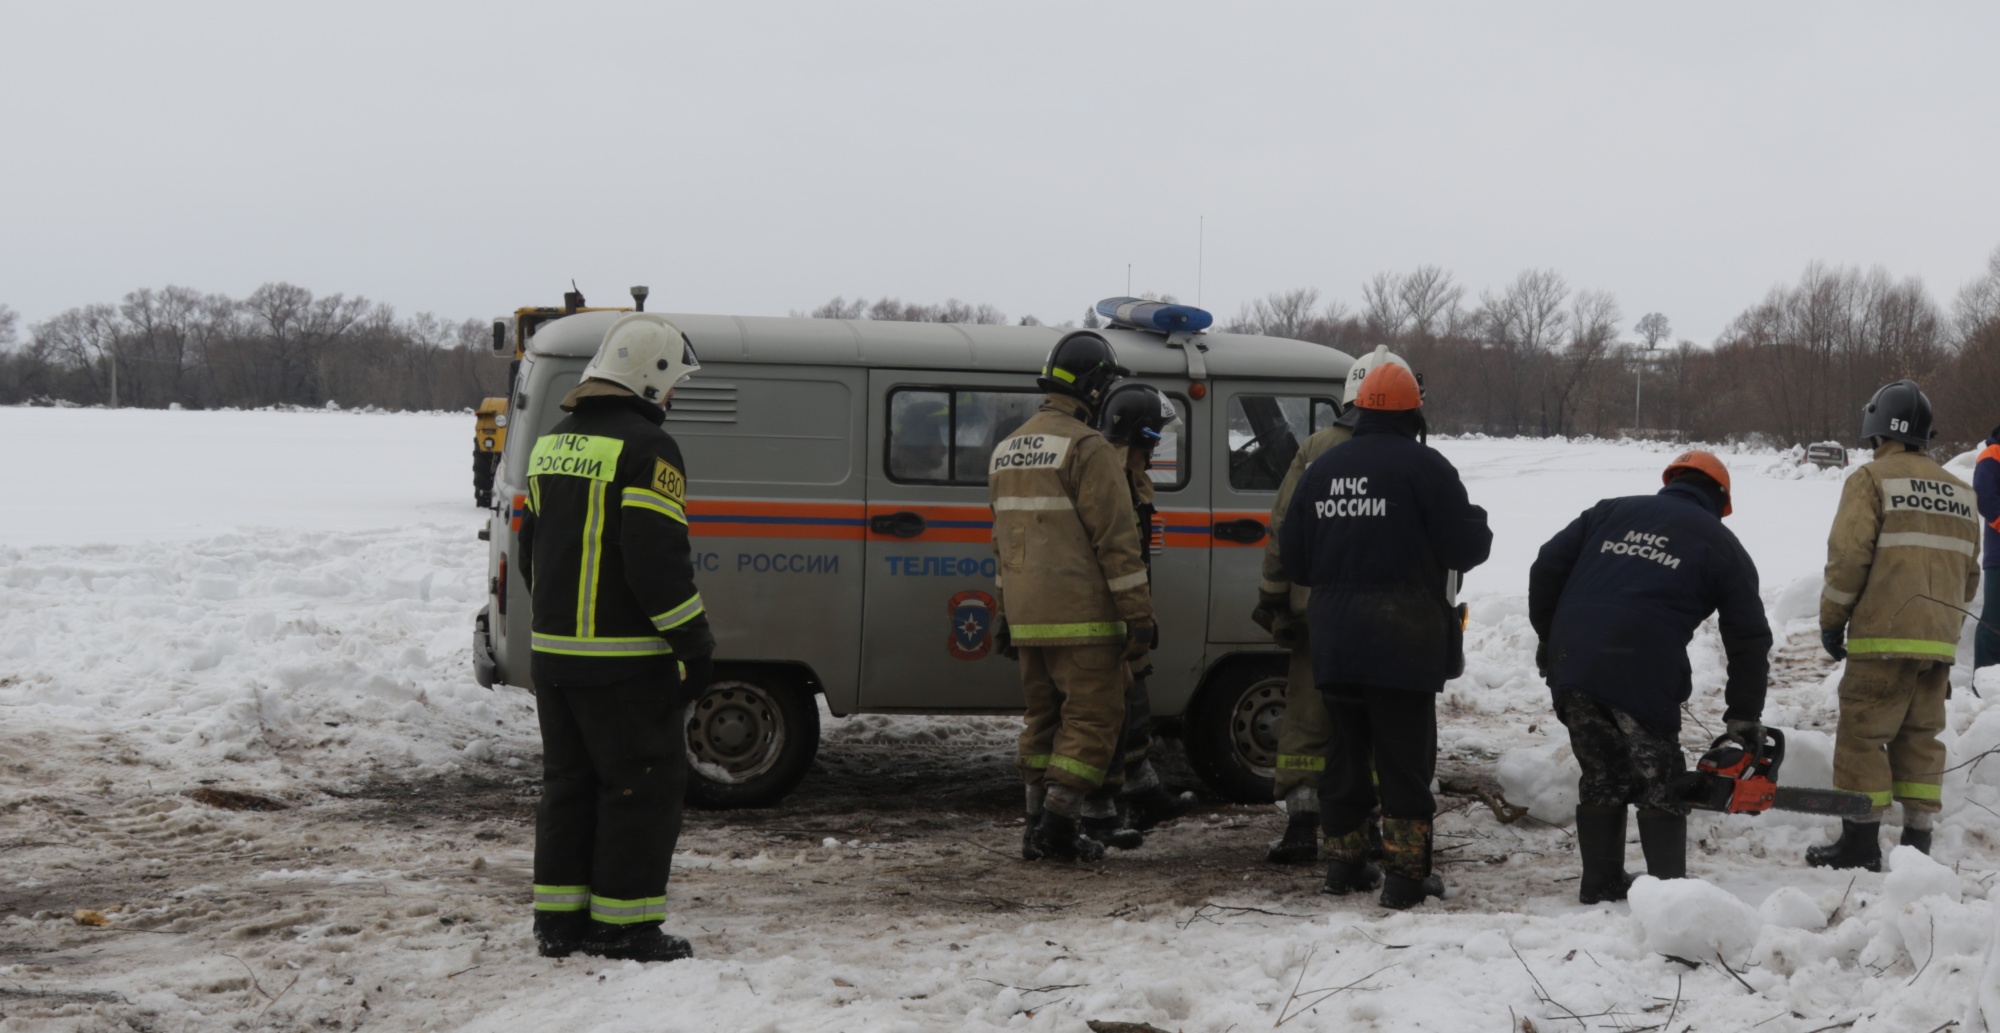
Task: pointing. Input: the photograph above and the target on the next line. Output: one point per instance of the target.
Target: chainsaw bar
(1823, 801)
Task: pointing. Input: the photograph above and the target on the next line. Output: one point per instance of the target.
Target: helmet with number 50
(1367, 364)
(1899, 412)
(646, 354)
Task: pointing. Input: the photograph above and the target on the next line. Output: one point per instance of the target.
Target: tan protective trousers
(1076, 711)
(1307, 727)
(1891, 712)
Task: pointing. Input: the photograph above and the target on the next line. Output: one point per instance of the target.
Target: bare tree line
(1534, 356)
(1537, 356)
(281, 345)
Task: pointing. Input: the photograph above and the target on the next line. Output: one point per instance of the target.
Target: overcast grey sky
(757, 158)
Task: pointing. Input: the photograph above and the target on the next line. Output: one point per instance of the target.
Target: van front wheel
(1232, 731)
(751, 735)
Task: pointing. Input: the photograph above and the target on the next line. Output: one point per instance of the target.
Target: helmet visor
(688, 358)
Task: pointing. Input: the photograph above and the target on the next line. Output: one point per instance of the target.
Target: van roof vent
(704, 402)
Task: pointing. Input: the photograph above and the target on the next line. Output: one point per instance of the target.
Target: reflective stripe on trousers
(561, 898)
(628, 912)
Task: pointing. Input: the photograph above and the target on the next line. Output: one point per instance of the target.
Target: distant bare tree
(1090, 320)
(841, 308)
(1592, 327)
(9, 319)
(1654, 328)
(1382, 311)
(1429, 301)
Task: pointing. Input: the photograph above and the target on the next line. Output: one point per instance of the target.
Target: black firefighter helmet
(1899, 412)
(1082, 365)
(1135, 414)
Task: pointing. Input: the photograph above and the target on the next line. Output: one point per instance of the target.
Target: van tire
(1232, 730)
(751, 736)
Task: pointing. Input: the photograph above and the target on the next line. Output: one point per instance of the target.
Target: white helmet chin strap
(646, 354)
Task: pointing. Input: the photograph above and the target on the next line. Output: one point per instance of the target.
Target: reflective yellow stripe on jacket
(576, 645)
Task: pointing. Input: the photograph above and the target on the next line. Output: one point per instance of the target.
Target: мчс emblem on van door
(971, 625)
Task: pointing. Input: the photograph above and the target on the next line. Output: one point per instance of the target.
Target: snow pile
(1542, 779)
(1692, 919)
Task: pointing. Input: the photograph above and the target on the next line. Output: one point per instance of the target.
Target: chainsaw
(1734, 778)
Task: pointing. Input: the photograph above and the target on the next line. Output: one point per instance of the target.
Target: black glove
(697, 672)
(1749, 733)
(1003, 640)
(1139, 637)
(1270, 607)
(1288, 631)
(1542, 660)
(1835, 641)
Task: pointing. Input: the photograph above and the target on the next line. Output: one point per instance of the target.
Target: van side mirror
(500, 347)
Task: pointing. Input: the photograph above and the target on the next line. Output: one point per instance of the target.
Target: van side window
(1264, 436)
(945, 436)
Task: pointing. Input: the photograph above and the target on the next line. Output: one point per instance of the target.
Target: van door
(1257, 430)
(928, 603)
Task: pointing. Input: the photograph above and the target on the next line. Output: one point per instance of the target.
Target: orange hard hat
(1389, 387)
(1701, 462)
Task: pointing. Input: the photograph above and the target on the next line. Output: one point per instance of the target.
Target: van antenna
(1128, 279)
(1200, 247)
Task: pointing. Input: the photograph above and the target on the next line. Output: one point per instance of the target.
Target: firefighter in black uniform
(620, 644)
(1375, 528)
(1136, 418)
(1615, 598)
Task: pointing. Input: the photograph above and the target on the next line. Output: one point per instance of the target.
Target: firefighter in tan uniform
(1072, 595)
(1281, 610)
(1903, 553)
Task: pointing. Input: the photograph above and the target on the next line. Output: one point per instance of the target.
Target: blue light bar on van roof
(1155, 316)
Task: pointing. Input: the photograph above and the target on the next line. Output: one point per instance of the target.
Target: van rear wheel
(751, 735)
(1232, 731)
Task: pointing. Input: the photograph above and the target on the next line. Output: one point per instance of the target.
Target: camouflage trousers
(1623, 761)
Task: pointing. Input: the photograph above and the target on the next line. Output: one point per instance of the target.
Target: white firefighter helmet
(645, 354)
(1365, 365)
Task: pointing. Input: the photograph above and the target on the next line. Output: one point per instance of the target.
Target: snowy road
(168, 624)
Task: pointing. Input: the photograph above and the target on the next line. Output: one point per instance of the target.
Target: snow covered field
(279, 603)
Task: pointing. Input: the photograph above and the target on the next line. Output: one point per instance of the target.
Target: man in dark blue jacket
(1375, 529)
(1615, 598)
(1986, 485)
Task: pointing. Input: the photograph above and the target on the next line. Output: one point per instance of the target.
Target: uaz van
(837, 503)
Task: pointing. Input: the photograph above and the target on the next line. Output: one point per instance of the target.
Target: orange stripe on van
(1183, 528)
(758, 518)
(956, 524)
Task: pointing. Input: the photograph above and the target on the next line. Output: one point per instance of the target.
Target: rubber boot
(643, 942)
(1113, 831)
(1917, 828)
(1406, 863)
(1348, 869)
(1919, 838)
(1036, 797)
(559, 933)
(1154, 805)
(1301, 842)
(1859, 846)
(1600, 841)
(1056, 837)
(1663, 836)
